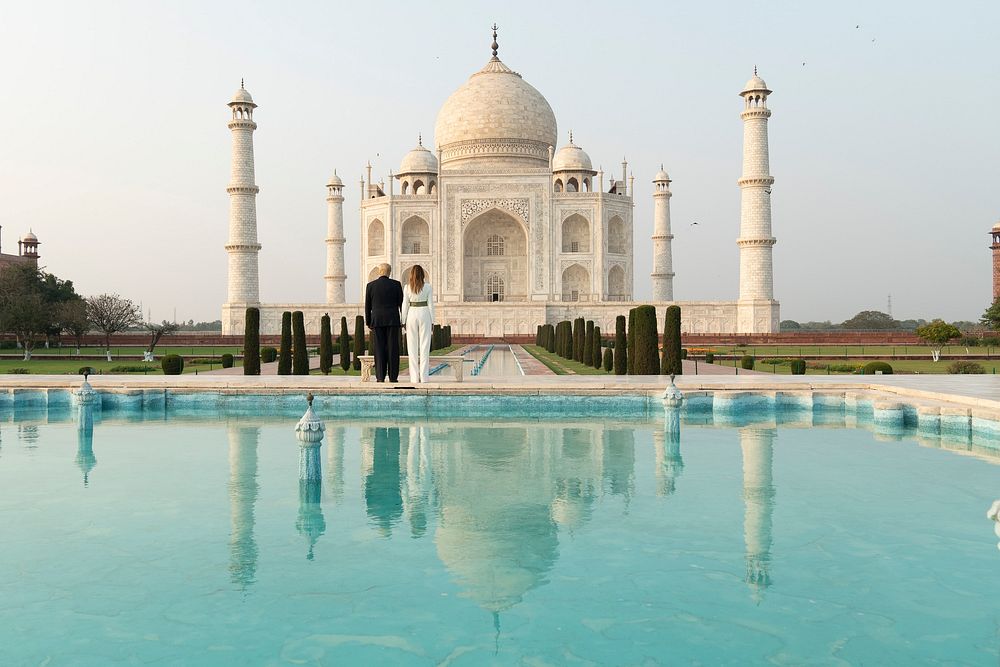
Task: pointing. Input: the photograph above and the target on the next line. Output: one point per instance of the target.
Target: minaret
(242, 247)
(663, 263)
(335, 275)
(758, 497)
(995, 247)
(755, 241)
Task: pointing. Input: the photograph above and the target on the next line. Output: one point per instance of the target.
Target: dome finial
(241, 83)
(420, 138)
(571, 136)
(494, 46)
(755, 70)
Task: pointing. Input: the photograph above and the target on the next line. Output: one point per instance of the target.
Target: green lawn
(561, 366)
(72, 366)
(899, 366)
(843, 351)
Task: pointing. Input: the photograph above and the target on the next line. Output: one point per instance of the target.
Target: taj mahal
(512, 231)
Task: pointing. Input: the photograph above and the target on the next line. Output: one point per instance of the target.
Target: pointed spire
(571, 137)
(494, 45)
(755, 70)
(420, 139)
(241, 83)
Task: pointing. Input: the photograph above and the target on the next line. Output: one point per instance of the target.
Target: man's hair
(384, 269)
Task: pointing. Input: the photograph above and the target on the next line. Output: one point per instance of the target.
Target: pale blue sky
(886, 153)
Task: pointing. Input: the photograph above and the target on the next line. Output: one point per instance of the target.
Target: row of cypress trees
(293, 355)
(636, 349)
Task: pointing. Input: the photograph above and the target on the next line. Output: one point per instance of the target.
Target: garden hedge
(672, 352)
(268, 355)
(325, 345)
(172, 364)
(872, 366)
(621, 361)
(227, 360)
(300, 354)
(646, 357)
(746, 362)
(345, 346)
(251, 342)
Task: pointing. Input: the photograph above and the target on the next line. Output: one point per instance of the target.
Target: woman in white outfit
(418, 318)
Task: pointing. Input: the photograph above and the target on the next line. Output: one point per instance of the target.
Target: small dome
(419, 161)
(335, 180)
(661, 175)
(572, 158)
(29, 238)
(754, 84)
(996, 227)
(241, 96)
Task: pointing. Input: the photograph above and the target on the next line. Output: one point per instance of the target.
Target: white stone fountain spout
(85, 395)
(672, 396)
(309, 428)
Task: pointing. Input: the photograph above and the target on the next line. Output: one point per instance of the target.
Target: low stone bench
(455, 362)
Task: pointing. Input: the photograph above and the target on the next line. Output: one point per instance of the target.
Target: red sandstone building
(27, 252)
(995, 247)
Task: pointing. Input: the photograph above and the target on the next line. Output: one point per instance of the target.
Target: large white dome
(495, 119)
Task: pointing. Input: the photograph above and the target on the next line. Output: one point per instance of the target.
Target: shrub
(966, 368)
(595, 351)
(646, 356)
(359, 340)
(798, 366)
(684, 353)
(268, 355)
(285, 349)
(620, 361)
(670, 363)
(843, 368)
(132, 368)
(18, 371)
(872, 366)
(86, 370)
(609, 359)
(251, 343)
(227, 360)
(300, 353)
(172, 364)
(325, 345)
(709, 357)
(746, 362)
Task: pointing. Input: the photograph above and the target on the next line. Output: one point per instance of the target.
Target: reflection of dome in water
(498, 556)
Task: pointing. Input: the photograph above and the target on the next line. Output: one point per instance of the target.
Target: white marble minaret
(244, 280)
(757, 310)
(335, 275)
(663, 262)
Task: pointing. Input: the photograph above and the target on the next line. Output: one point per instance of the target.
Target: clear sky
(885, 141)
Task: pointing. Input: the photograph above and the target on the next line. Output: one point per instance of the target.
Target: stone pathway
(529, 364)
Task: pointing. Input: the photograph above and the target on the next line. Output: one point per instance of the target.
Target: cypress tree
(621, 365)
(567, 340)
(325, 345)
(359, 340)
(647, 358)
(447, 335)
(596, 358)
(609, 359)
(587, 358)
(550, 343)
(630, 342)
(251, 343)
(300, 355)
(670, 363)
(345, 346)
(578, 337)
(285, 350)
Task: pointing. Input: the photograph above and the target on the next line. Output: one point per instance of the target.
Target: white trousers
(418, 343)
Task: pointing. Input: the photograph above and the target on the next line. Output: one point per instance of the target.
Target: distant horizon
(117, 152)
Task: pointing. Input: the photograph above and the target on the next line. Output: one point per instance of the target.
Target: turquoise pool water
(195, 541)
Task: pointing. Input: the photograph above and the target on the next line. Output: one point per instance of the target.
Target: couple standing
(388, 306)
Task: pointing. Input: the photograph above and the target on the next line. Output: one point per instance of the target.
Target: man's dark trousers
(383, 299)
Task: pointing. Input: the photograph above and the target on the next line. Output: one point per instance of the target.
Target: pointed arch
(576, 234)
(376, 238)
(616, 283)
(415, 235)
(575, 283)
(617, 237)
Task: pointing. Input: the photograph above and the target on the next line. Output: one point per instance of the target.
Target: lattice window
(495, 287)
(495, 246)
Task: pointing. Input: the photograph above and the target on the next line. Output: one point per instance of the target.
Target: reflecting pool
(661, 540)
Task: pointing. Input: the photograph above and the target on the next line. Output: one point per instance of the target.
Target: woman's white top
(425, 294)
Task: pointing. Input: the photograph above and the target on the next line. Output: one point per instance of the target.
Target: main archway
(495, 258)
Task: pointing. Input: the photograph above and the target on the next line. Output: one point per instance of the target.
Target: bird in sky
(693, 224)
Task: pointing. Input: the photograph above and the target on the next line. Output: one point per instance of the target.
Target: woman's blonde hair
(416, 278)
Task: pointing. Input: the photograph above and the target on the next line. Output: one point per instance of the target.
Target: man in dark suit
(383, 299)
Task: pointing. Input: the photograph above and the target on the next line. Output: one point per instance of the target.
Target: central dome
(495, 119)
